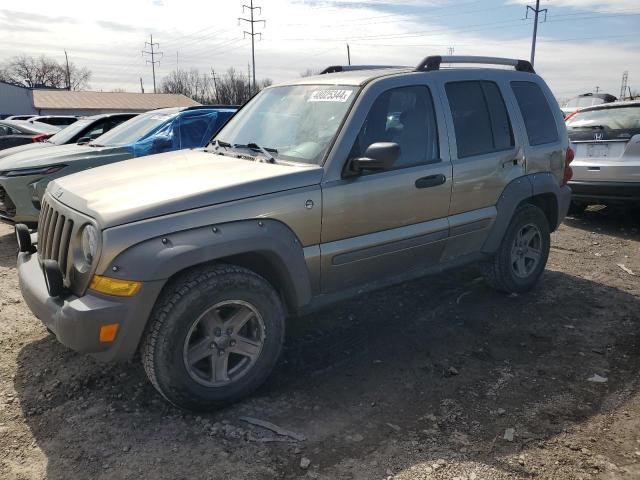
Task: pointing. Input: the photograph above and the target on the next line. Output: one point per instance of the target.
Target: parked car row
(98, 140)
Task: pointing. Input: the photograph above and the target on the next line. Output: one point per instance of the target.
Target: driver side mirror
(84, 140)
(161, 143)
(378, 156)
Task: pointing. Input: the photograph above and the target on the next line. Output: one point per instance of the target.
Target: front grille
(54, 236)
(7, 207)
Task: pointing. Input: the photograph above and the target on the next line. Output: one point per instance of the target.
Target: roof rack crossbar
(348, 68)
(433, 62)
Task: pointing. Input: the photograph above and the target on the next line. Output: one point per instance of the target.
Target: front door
(385, 223)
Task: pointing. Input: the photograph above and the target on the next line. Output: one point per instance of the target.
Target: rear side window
(538, 117)
(480, 118)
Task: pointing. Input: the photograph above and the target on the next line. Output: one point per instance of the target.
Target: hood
(166, 183)
(23, 148)
(54, 155)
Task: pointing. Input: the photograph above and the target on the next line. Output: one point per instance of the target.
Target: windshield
(132, 130)
(613, 118)
(67, 133)
(298, 121)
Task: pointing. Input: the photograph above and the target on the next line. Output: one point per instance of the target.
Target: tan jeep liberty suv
(317, 189)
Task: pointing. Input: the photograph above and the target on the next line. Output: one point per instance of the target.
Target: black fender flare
(161, 257)
(525, 189)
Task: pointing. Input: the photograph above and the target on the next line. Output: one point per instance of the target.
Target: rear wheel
(521, 258)
(214, 337)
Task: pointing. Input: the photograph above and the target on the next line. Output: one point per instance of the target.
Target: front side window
(480, 118)
(404, 116)
(298, 121)
(538, 117)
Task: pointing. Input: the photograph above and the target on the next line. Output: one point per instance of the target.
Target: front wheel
(521, 258)
(214, 337)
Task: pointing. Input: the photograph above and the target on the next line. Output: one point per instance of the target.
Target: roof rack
(348, 68)
(433, 62)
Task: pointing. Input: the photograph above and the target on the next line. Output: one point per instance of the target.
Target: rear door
(486, 151)
(606, 142)
(385, 223)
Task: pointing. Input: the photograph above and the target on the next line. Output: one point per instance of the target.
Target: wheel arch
(539, 189)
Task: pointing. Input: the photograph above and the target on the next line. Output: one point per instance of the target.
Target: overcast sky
(583, 43)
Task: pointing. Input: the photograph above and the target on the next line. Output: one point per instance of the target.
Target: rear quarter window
(538, 117)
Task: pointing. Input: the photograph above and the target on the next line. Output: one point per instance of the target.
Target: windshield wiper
(265, 151)
(220, 143)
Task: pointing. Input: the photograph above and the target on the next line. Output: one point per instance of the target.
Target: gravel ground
(440, 378)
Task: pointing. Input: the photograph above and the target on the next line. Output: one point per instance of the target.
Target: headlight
(89, 245)
(23, 172)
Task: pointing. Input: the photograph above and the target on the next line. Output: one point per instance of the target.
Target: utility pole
(623, 86)
(597, 89)
(451, 50)
(537, 11)
(141, 87)
(68, 73)
(153, 60)
(251, 8)
(348, 55)
(215, 84)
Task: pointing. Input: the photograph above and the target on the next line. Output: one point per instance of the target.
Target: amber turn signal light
(108, 332)
(114, 286)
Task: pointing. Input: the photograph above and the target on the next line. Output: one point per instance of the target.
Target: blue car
(24, 176)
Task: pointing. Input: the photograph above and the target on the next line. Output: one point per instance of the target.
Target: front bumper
(76, 321)
(618, 192)
(18, 205)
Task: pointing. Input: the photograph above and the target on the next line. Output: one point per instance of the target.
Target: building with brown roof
(17, 100)
(65, 102)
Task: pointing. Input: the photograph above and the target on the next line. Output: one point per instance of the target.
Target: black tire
(576, 208)
(499, 271)
(165, 347)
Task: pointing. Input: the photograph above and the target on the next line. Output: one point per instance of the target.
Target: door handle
(431, 181)
(510, 163)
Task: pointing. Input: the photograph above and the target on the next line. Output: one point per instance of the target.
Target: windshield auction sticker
(330, 96)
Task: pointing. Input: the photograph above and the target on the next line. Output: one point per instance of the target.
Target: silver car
(606, 142)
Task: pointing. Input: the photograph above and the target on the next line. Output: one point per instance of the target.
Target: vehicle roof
(361, 77)
(625, 103)
(171, 110)
(30, 127)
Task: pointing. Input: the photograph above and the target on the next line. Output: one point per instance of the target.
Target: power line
(536, 11)
(153, 61)
(251, 8)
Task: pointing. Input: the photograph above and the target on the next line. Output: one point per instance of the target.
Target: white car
(606, 142)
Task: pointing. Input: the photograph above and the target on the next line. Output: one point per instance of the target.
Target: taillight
(571, 115)
(568, 171)
(40, 138)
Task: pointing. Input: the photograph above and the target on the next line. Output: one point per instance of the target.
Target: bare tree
(231, 88)
(310, 72)
(43, 72)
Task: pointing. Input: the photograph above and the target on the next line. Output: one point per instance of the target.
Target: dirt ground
(440, 378)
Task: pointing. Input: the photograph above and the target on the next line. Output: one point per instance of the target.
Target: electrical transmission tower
(536, 11)
(623, 87)
(251, 9)
(153, 60)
